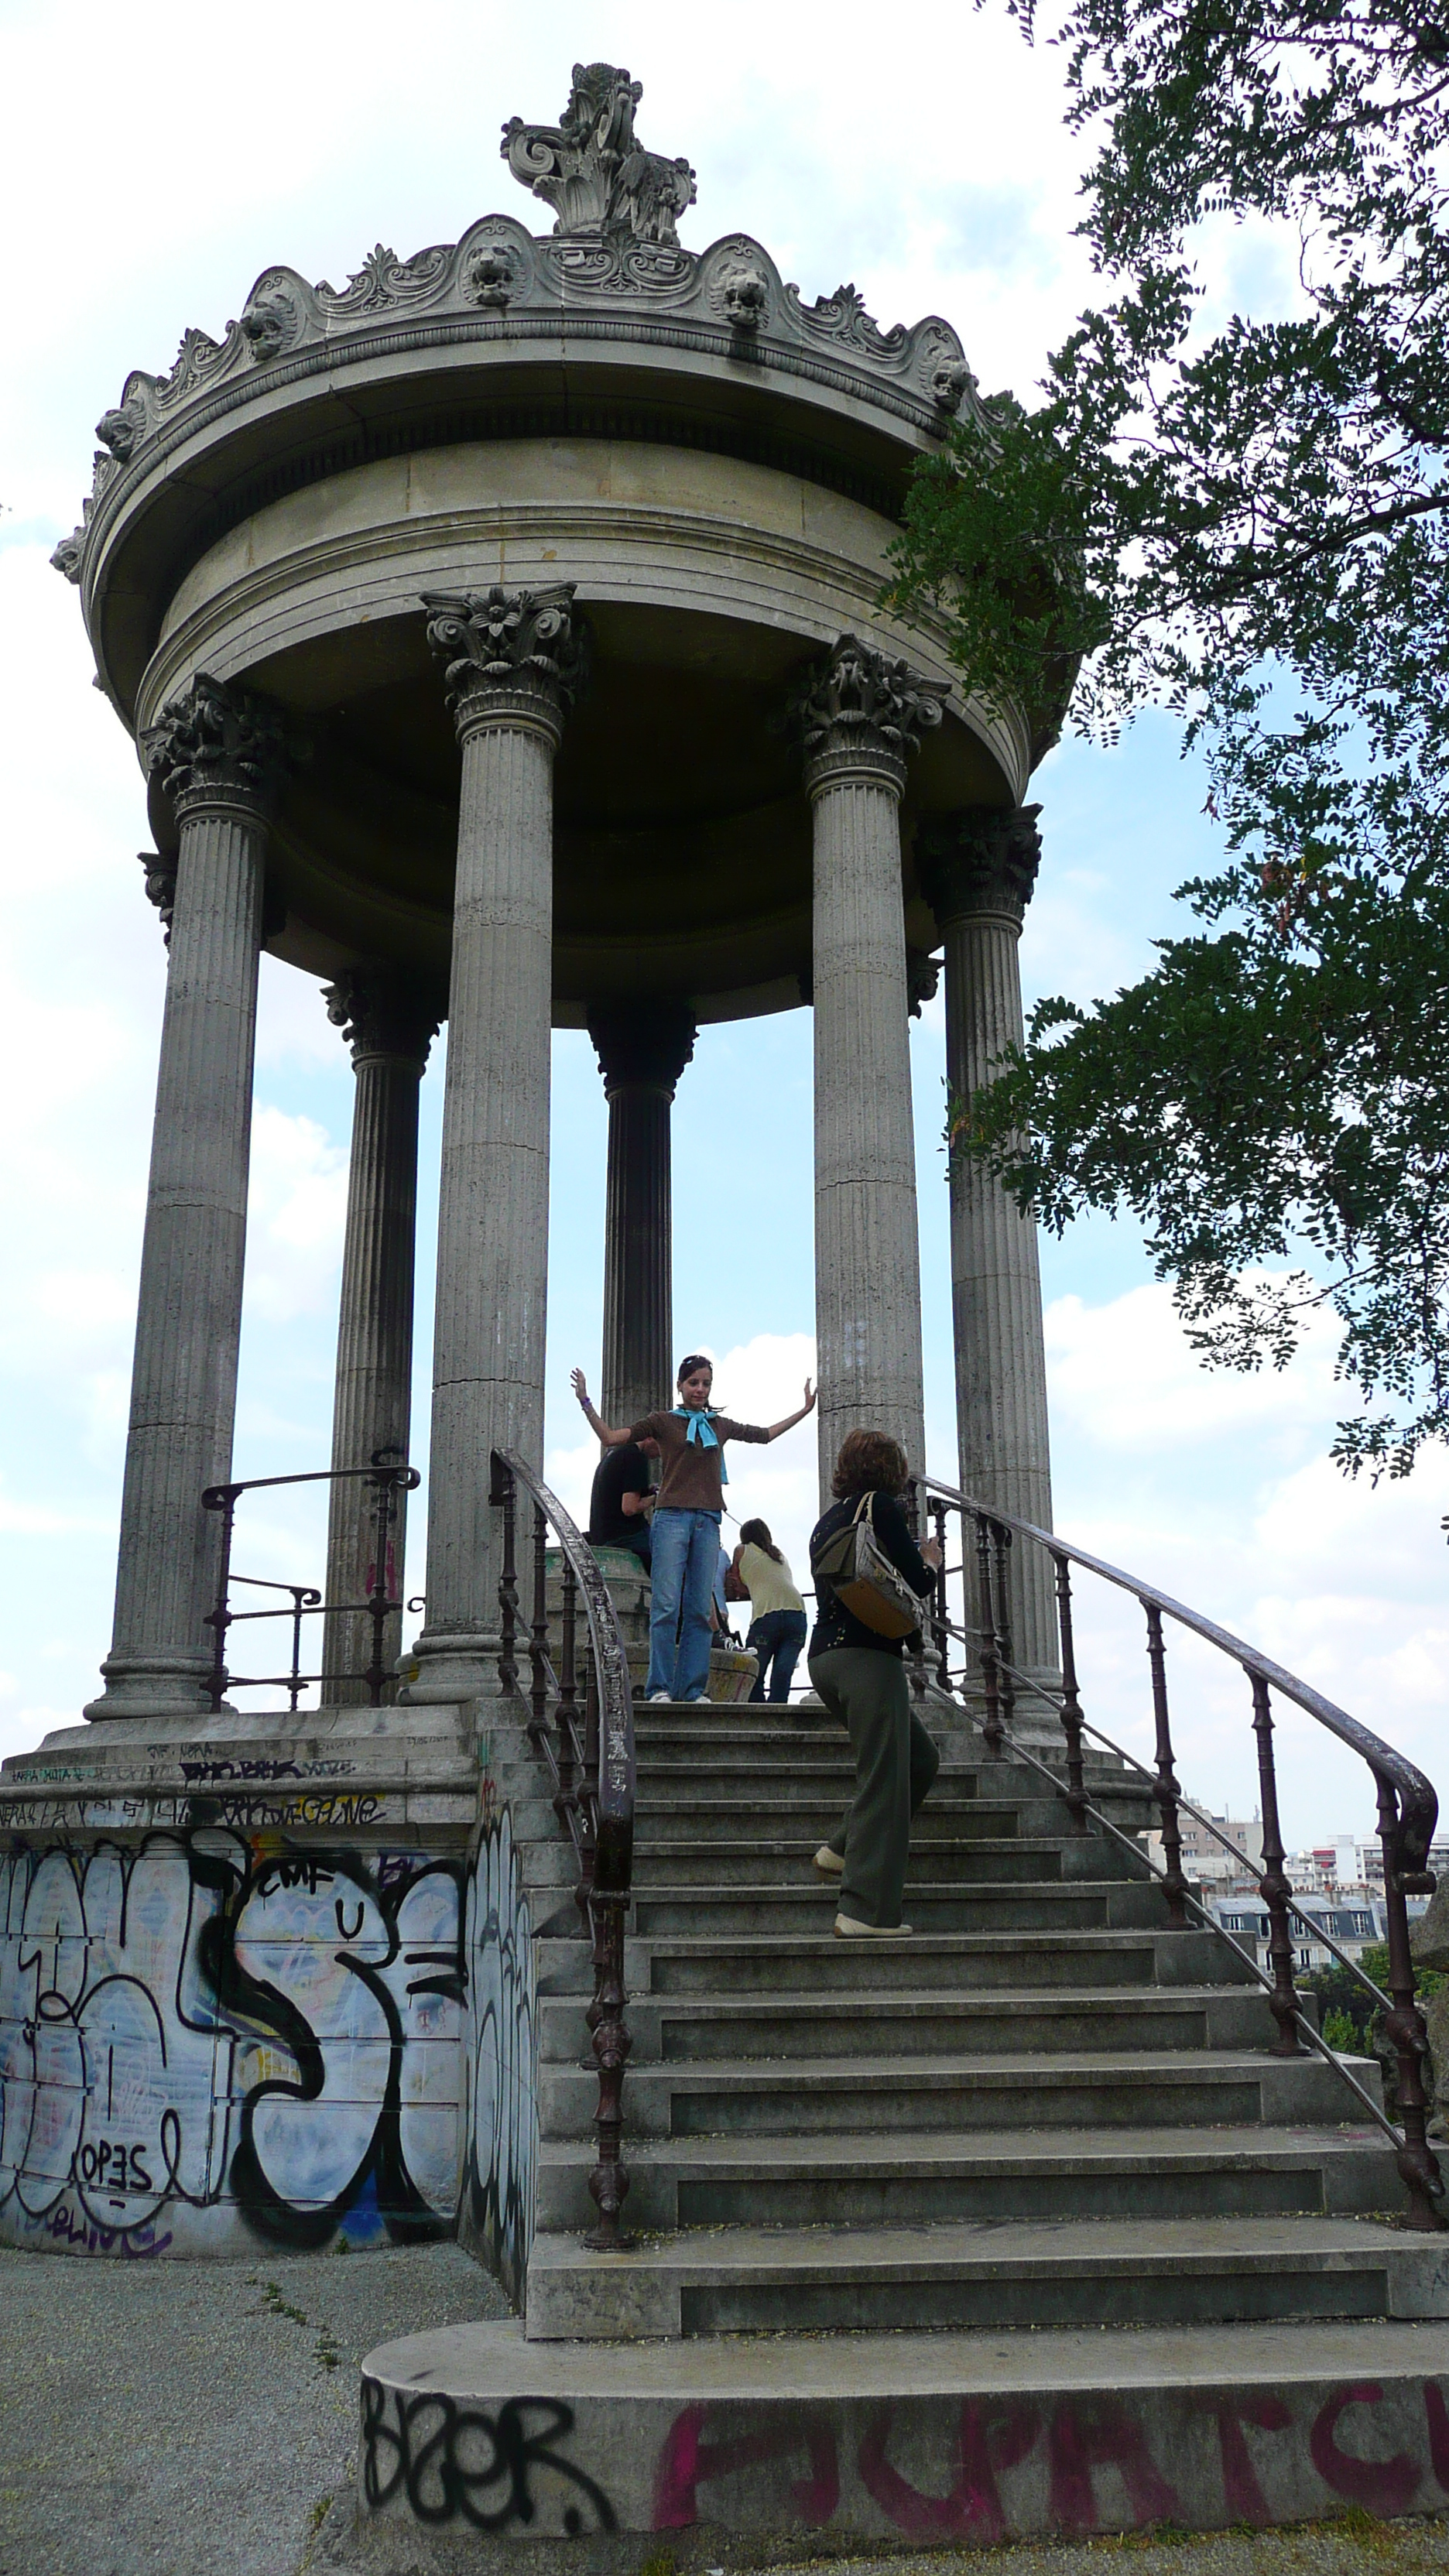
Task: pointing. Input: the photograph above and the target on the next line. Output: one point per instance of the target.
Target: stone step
(863, 2178)
(998, 1859)
(1091, 2088)
(941, 1820)
(678, 2029)
(985, 1906)
(758, 2449)
(972, 2276)
(766, 1963)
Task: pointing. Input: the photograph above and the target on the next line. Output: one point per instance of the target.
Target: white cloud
(1127, 1375)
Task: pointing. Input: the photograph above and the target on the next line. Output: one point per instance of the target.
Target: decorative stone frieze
(982, 859)
(69, 556)
(123, 429)
(160, 867)
(216, 741)
(515, 655)
(613, 269)
(591, 169)
(923, 974)
(643, 1044)
(860, 709)
(382, 1012)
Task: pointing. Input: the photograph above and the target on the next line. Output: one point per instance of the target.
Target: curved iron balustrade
(593, 1777)
(389, 1477)
(1408, 1806)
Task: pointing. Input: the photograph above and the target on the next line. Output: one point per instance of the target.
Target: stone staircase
(859, 2172)
(1044, 2109)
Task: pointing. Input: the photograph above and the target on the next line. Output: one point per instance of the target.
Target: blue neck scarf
(701, 1434)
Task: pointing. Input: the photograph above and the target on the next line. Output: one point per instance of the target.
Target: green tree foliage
(1246, 526)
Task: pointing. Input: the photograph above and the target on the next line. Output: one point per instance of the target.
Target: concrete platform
(742, 2450)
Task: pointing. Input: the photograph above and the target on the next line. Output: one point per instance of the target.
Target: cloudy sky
(154, 167)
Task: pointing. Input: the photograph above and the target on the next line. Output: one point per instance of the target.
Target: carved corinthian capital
(511, 656)
(861, 711)
(383, 1012)
(642, 1044)
(214, 743)
(982, 859)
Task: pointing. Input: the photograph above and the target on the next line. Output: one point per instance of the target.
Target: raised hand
(580, 1388)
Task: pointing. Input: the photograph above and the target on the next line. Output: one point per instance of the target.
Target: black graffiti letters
(460, 2464)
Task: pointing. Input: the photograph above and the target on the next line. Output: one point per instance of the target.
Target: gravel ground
(195, 2419)
(199, 2419)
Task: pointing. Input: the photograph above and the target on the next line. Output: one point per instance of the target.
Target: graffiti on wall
(500, 2108)
(200, 2039)
(933, 2471)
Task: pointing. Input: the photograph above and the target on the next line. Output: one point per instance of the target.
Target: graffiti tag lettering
(460, 2464)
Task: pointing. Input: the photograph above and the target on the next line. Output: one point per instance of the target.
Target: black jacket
(835, 1625)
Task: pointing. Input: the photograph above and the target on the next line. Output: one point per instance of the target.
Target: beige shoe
(849, 1930)
(830, 1862)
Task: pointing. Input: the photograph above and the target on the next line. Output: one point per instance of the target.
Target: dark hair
(755, 1534)
(869, 1460)
(696, 1360)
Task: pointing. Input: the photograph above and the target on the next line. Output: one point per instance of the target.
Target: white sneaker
(831, 1862)
(698, 1699)
(849, 1930)
(661, 1699)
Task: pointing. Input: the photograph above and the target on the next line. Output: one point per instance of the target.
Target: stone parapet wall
(271, 1982)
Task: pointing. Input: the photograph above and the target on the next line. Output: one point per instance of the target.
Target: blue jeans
(685, 1554)
(777, 1640)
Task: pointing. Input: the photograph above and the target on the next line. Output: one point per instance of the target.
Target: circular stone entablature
(717, 465)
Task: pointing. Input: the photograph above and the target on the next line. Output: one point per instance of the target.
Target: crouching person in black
(861, 1678)
(620, 1503)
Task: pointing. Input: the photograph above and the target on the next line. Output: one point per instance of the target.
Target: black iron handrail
(593, 1775)
(1407, 1803)
(390, 1480)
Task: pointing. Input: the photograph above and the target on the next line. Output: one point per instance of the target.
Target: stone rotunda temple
(501, 639)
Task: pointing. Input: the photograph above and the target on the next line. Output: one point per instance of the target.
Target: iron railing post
(940, 1604)
(538, 1629)
(220, 1498)
(1274, 1886)
(1071, 1709)
(1418, 2165)
(1006, 1686)
(1168, 1788)
(991, 1723)
(504, 1492)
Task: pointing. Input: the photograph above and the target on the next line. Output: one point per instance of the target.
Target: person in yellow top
(777, 1613)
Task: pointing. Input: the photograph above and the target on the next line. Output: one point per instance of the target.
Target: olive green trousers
(895, 1764)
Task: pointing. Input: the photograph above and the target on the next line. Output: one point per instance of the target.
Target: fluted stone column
(389, 1021)
(977, 870)
(218, 753)
(513, 662)
(643, 1048)
(861, 715)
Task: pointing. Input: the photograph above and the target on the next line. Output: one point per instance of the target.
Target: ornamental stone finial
(645, 1043)
(981, 859)
(511, 654)
(591, 170)
(219, 742)
(864, 709)
(382, 1011)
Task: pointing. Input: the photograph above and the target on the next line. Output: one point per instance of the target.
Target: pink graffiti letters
(685, 2465)
(1380, 2486)
(1085, 2458)
(991, 2439)
(1242, 2494)
(1093, 2433)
